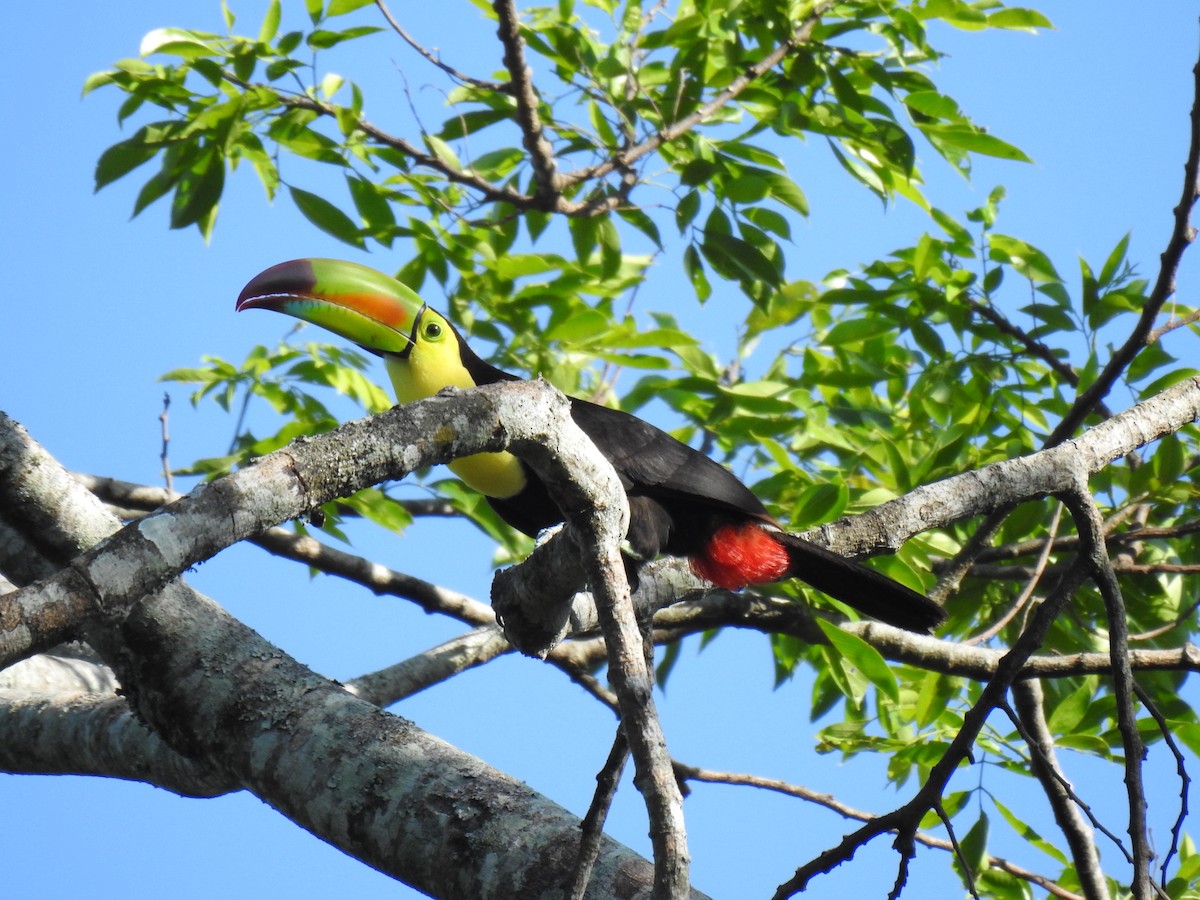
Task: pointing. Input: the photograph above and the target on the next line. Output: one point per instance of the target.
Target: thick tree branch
(363, 780)
(95, 734)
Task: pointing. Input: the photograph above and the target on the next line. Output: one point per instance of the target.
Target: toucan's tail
(864, 589)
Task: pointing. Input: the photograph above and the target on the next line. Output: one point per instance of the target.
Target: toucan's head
(423, 351)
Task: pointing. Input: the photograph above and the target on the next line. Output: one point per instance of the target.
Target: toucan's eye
(433, 331)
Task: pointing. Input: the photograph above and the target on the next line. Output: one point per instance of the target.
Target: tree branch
(365, 781)
(1044, 766)
(630, 155)
(541, 154)
(1090, 527)
(1182, 235)
(449, 70)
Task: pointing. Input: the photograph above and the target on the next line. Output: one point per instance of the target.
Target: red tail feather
(742, 554)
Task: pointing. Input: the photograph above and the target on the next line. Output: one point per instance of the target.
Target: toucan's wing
(651, 462)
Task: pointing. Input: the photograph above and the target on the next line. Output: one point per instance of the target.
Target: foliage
(658, 135)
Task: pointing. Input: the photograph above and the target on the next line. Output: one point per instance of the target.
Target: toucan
(681, 502)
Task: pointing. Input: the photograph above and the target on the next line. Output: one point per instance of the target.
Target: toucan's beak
(362, 305)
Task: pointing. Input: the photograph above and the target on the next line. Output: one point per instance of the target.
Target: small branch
(1182, 235)
(1185, 780)
(708, 776)
(411, 676)
(483, 85)
(905, 819)
(592, 827)
(1030, 717)
(1090, 527)
(166, 442)
(541, 154)
(1157, 334)
(1032, 582)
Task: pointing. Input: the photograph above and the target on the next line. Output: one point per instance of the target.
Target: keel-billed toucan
(681, 503)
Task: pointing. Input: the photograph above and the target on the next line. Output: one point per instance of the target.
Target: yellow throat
(434, 363)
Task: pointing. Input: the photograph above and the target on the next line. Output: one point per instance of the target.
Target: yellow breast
(425, 372)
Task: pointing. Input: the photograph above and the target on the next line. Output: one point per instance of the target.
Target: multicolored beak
(371, 309)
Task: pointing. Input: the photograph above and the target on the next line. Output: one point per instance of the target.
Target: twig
(166, 442)
(449, 70)
(1034, 579)
(958, 852)
(592, 826)
(1185, 780)
(1157, 333)
(708, 776)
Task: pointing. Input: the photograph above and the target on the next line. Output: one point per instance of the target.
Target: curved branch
(708, 776)
(1182, 235)
(449, 70)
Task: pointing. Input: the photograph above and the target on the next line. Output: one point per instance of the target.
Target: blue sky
(101, 306)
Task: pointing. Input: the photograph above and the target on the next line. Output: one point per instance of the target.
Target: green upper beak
(371, 309)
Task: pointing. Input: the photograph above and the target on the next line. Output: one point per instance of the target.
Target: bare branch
(541, 154)
(1031, 718)
(592, 828)
(1185, 780)
(1090, 527)
(1182, 235)
(449, 70)
(387, 686)
(708, 776)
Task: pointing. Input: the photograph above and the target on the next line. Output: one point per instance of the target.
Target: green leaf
(865, 658)
(738, 259)
(270, 25)
(855, 331)
(1025, 258)
(327, 217)
(974, 846)
(971, 139)
(443, 151)
(177, 42)
(1019, 19)
(685, 212)
(787, 192)
(1114, 262)
(341, 7)
(121, 159)
(198, 192)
